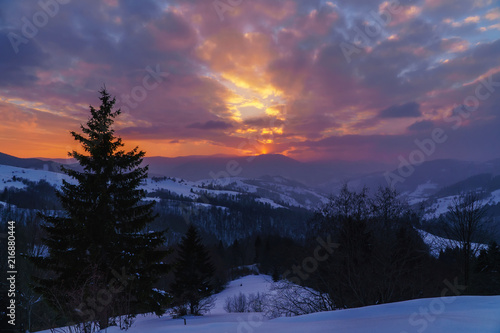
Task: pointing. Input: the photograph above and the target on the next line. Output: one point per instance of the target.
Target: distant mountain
(280, 182)
(438, 173)
(482, 182)
(324, 176)
(318, 174)
(314, 174)
(65, 161)
(29, 163)
(211, 167)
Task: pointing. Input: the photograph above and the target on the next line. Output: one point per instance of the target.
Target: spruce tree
(102, 260)
(486, 277)
(194, 273)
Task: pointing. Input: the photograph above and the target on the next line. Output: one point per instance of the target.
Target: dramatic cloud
(421, 125)
(311, 79)
(210, 125)
(407, 110)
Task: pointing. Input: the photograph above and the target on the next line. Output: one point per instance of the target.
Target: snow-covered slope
(441, 205)
(421, 193)
(277, 189)
(436, 243)
(11, 176)
(471, 314)
(278, 192)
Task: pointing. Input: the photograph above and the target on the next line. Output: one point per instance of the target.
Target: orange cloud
(241, 58)
(399, 14)
(455, 45)
(472, 19)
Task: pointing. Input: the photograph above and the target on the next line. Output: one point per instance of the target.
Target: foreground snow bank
(464, 314)
(477, 314)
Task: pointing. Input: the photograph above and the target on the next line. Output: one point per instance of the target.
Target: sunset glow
(307, 79)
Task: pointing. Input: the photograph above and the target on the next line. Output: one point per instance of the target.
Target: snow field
(455, 314)
(436, 243)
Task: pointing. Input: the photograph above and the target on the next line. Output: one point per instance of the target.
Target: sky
(313, 80)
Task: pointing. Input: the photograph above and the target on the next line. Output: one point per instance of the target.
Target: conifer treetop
(99, 140)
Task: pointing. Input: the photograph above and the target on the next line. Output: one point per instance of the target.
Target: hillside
(270, 193)
(478, 314)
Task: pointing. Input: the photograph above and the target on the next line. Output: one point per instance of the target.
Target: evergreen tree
(102, 260)
(194, 273)
(258, 250)
(487, 271)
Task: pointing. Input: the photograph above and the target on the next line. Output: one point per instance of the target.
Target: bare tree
(380, 254)
(465, 225)
(287, 299)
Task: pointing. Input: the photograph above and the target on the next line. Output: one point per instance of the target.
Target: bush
(203, 306)
(236, 303)
(242, 303)
(256, 302)
(287, 300)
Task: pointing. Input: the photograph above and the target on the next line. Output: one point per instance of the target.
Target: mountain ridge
(325, 176)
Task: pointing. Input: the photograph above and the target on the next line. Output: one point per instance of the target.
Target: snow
(205, 205)
(279, 188)
(269, 192)
(269, 201)
(151, 199)
(441, 206)
(421, 193)
(184, 188)
(436, 243)
(8, 172)
(245, 285)
(455, 314)
(495, 197)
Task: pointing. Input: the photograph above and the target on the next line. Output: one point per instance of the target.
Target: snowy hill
(314, 173)
(278, 192)
(275, 189)
(469, 314)
(437, 244)
(11, 176)
(279, 180)
(440, 205)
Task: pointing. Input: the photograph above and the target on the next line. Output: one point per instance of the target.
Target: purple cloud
(407, 110)
(211, 125)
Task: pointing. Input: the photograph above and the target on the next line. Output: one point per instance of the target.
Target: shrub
(256, 302)
(242, 303)
(236, 303)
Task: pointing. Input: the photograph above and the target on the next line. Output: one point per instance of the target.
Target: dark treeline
(226, 218)
(31, 312)
(222, 217)
(271, 253)
(35, 195)
(379, 256)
